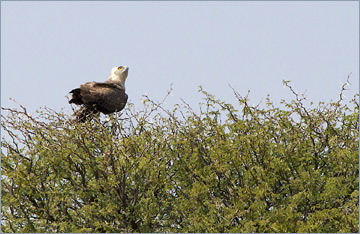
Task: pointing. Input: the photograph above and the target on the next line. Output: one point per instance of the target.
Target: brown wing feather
(107, 98)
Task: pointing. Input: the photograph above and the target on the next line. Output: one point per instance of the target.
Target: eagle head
(119, 75)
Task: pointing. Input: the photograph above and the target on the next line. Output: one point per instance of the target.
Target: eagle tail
(76, 97)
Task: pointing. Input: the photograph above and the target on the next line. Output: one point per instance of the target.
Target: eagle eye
(120, 68)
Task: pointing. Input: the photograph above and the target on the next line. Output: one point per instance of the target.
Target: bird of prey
(105, 97)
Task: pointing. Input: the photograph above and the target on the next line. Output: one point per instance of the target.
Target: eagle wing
(106, 97)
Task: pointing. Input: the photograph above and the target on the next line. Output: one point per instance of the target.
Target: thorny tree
(225, 169)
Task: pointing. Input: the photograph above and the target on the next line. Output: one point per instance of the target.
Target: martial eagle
(106, 97)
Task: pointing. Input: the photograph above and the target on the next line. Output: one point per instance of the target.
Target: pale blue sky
(49, 48)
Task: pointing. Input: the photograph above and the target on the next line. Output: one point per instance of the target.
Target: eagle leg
(84, 113)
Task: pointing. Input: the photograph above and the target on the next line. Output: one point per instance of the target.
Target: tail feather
(76, 97)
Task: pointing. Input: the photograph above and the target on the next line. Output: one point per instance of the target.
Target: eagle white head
(118, 75)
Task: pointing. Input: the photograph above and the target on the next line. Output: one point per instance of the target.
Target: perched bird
(106, 97)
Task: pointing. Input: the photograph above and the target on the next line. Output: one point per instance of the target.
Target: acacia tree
(224, 169)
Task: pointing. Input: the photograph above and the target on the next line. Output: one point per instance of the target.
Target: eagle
(105, 97)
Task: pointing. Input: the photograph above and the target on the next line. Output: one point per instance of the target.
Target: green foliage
(225, 169)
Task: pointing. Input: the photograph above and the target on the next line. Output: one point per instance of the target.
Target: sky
(49, 48)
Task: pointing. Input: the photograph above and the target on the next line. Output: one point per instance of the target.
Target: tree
(225, 169)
